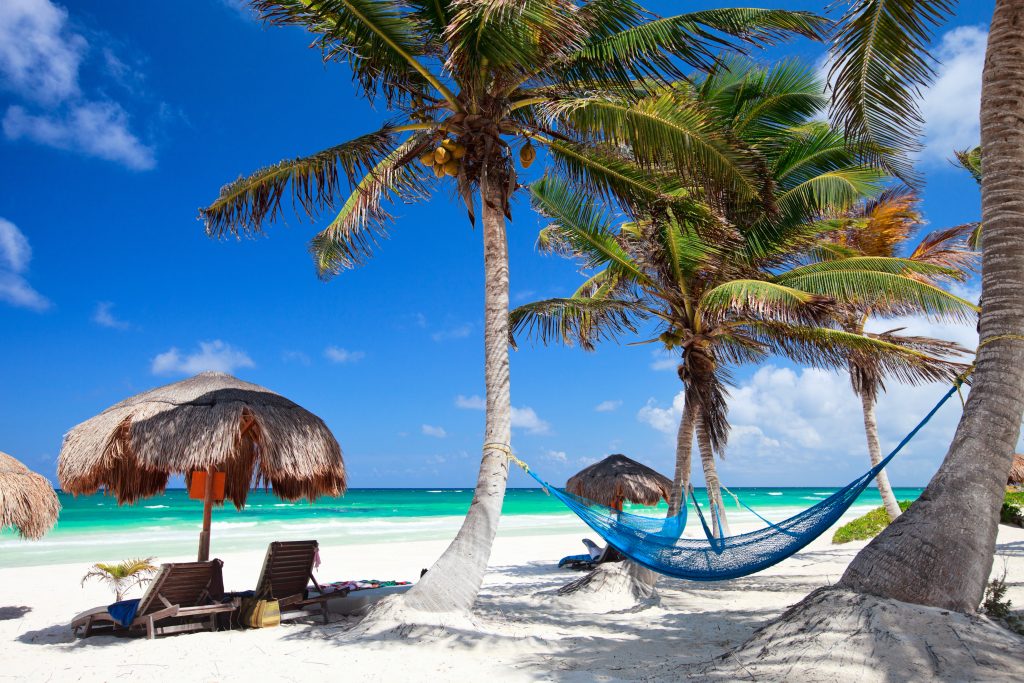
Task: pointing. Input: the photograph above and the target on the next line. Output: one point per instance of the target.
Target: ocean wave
(775, 493)
(435, 491)
(155, 507)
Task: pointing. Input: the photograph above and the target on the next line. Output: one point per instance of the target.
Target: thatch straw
(208, 421)
(618, 478)
(1016, 477)
(27, 500)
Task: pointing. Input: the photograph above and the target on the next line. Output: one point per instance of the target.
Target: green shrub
(1013, 509)
(997, 607)
(868, 526)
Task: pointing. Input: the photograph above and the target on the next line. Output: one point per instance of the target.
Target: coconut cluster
(446, 159)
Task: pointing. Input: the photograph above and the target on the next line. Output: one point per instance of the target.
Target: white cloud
(431, 430)
(296, 357)
(457, 332)
(15, 254)
(104, 317)
(39, 58)
(524, 418)
(950, 106)
(663, 419)
(528, 420)
(470, 402)
(240, 6)
(607, 406)
(98, 129)
(795, 425)
(336, 354)
(213, 355)
(664, 360)
(557, 456)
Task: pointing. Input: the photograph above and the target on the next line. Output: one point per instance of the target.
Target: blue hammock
(656, 544)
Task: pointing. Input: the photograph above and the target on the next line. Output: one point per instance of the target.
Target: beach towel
(124, 612)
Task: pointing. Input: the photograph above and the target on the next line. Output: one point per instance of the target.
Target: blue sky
(120, 119)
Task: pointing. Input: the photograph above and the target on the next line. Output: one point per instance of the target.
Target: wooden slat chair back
(287, 573)
(287, 570)
(185, 584)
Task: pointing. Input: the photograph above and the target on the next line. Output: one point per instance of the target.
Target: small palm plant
(122, 576)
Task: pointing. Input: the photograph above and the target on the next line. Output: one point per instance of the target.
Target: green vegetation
(123, 576)
(1012, 511)
(868, 526)
(998, 607)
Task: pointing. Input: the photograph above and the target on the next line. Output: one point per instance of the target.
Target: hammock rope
(656, 543)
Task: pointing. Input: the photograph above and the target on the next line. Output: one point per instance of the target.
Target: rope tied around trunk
(507, 450)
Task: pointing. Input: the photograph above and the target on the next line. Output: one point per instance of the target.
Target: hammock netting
(656, 543)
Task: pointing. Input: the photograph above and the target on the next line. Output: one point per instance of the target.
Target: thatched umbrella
(27, 501)
(208, 424)
(1016, 477)
(618, 478)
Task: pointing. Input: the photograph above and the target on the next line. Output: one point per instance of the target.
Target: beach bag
(256, 613)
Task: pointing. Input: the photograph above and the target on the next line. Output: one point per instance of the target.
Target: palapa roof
(1016, 477)
(213, 420)
(620, 478)
(27, 500)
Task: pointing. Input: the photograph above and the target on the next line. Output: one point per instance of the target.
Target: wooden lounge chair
(286, 577)
(179, 593)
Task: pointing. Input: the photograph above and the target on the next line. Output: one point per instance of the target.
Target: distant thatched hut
(27, 500)
(209, 423)
(1016, 477)
(618, 478)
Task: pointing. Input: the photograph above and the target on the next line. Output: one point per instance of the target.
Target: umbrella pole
(204, 535)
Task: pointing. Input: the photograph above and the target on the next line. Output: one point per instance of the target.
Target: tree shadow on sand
(14, 612)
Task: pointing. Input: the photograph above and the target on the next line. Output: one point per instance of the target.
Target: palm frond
(885, 293)
(315, 182)
(381, 41)
(654, 47)
(970, 161)
(502, 36)
(760, 102)
(581, 320)
(880, 63)
(605, 173)
(950, 248)
(362, 222)
(662, 130)
(760, 300)
(580, 229)
(829, 348)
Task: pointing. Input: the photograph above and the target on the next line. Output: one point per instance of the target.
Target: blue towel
(575, 559)
(124, 612)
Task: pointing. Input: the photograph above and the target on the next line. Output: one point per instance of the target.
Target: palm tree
(122, 576)
(468, 82)
(940, 551)
(737, 291)
(883, 227)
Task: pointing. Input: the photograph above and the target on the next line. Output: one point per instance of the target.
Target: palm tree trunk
(684, 453)
(940, 551)
(892, 507)
(453, 582)
(707, 460)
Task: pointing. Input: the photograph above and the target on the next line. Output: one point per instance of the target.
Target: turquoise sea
(94, 528)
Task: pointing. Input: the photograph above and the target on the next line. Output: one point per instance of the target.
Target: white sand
(520, 635)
